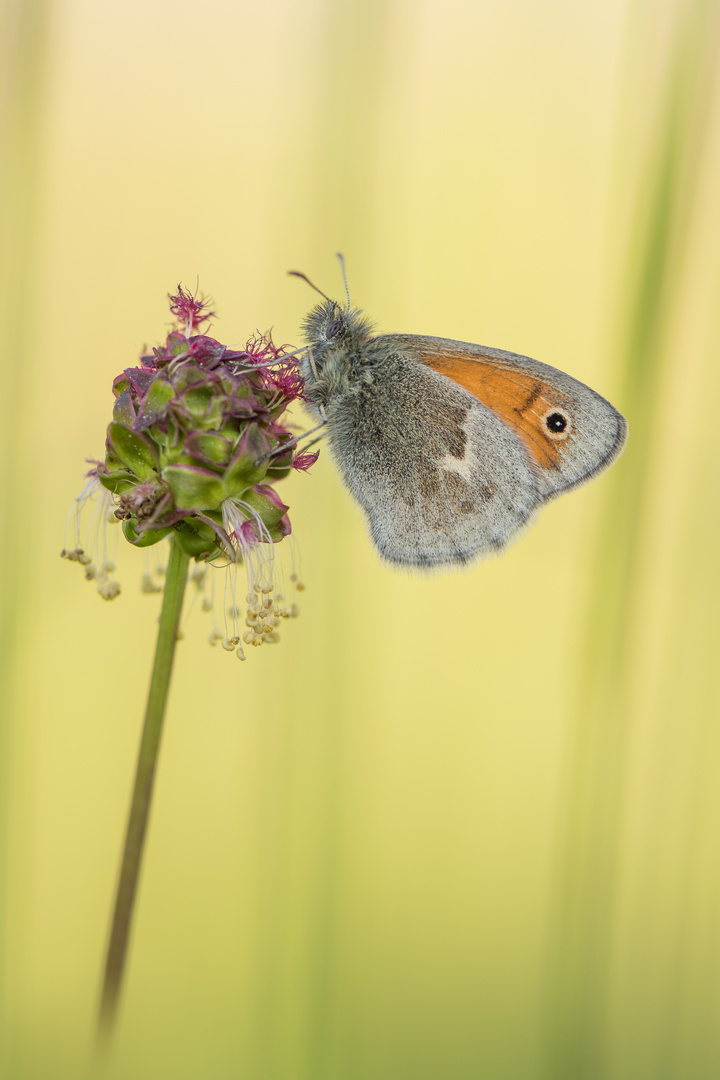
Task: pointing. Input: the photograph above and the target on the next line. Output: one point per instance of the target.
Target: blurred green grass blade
(23, 34)
(300, 970)
(592, 800)
(681, 1037)
(354, 72)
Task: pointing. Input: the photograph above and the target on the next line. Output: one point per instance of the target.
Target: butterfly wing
(441, 478)
(568, 431)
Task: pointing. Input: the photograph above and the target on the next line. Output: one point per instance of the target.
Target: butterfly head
(332, 325)
(335, 336)
(326, 324)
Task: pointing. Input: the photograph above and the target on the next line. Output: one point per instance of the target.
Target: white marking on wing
(463, 466)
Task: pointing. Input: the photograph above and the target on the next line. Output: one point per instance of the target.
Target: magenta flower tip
(304, 461)
(189, 309)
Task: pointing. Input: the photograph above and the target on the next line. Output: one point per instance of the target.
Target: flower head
(196, 442)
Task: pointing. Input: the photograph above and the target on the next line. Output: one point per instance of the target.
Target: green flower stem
(175, 581)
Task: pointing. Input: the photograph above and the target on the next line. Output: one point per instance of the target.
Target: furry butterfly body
(449, 447)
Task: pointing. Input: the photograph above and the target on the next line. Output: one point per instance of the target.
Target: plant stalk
(175, 581)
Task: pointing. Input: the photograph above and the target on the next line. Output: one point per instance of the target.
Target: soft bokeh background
(458, 827)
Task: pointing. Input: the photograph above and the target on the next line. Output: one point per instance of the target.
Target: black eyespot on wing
(556, 423)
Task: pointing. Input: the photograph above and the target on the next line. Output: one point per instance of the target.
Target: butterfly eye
(333, 328)
(557, 424)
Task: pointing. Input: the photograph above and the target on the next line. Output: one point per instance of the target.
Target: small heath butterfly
(449, 447)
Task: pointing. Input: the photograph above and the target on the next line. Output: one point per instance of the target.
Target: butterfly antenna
(342, 267)
(296, 273)
(291, 442)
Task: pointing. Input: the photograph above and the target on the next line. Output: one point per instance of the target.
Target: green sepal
(227, 383)
(197, 400)
(188, 374)
(134, 450)
(194, 488)
(210, 446)
(124, 410)
(243, 471)
(247, 396)
(144, 539)
(121, 384)
(196, 538)
(204, 406)
(112, 461)
(268, 510)
(159, 395)
(183, 458)
(117, 482)
(170, 442)
(178, 346)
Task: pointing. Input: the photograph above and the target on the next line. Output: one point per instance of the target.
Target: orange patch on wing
(519, 399)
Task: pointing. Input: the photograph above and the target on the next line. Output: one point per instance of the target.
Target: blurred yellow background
(457, 826)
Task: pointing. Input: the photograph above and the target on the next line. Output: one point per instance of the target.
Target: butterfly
(450, 448)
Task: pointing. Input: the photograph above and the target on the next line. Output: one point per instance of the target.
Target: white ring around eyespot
(557, 436)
